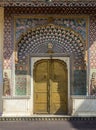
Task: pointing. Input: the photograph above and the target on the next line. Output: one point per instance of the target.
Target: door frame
(68, 60)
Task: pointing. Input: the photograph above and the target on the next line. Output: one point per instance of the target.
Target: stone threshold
(47, 118)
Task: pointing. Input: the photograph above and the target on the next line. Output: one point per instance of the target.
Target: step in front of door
(47, 118)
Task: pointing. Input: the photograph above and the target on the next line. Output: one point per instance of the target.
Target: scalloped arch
(63, 41)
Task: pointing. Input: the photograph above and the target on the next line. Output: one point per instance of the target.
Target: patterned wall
(36, 41)
(1, 55)
(77, 24)
(8, 46)
(69, 38)
(9, 17)
(92, 49)
(21, 72)
(48, 3)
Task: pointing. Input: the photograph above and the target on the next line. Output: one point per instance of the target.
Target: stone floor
(49, 125)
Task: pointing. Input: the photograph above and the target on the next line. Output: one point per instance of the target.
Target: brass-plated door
(50, 87)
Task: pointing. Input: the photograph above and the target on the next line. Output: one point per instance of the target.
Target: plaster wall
(84, 106)
(17, 107)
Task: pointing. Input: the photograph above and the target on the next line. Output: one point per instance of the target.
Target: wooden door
(58, 89)
(41, 87)
(50, 87)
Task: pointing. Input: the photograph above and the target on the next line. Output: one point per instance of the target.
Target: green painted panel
(79, 86)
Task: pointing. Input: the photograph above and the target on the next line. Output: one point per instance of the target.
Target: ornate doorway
(50, 87)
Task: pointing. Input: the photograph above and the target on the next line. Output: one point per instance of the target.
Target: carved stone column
(1, 54)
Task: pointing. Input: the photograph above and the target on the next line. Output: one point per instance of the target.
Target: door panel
(50, 87)
(41, 108)
(59, 87)
(41, 88)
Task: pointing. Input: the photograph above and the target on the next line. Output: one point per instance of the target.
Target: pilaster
(1, 54)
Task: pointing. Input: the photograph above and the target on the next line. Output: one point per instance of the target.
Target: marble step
(58, 118)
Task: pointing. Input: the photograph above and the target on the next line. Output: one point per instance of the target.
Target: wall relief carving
(93, 84)
(6, 85)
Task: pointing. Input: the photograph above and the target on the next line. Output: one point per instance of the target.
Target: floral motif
(63, 41)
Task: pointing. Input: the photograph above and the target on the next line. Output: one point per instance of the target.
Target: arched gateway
(50, 50)
(62, 40)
